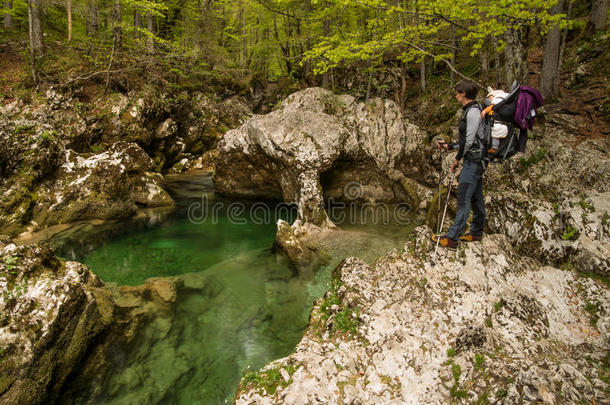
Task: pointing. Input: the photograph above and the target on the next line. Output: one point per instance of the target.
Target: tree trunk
(485, 61)
(562, 49)
(598, 18)
(497, 64)
(368, 86)
(150, 26)
(516, 63)
(8, 18)
(453, 53)
(326, 28)
(35, 33)
(244, 39)
(422, 73)
(92, 18)
(35, 28)
(117, 31)
(549, 85)
(69, 11)
(137, 23)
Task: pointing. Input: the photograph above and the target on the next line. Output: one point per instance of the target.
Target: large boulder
(315, 135)
(52, 312)
(480, 324)
(107, 185)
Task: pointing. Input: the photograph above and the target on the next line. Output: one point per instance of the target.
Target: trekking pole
(438, 198)
(438, 237)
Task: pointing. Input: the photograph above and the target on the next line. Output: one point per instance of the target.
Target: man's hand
(442, 144)
(455, 165)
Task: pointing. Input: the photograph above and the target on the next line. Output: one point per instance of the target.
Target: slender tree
(35, 34)
(549, 80)
(516, 56)
(497, 63)
(598, 19)
(92, 20)
(8, 17)
(150, 26)
(137, 23)
(117, 29)
(69, 12)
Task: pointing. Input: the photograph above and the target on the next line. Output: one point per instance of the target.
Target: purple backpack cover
(529, 99)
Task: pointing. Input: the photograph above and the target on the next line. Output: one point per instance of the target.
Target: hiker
(499, 129)
(470, 188)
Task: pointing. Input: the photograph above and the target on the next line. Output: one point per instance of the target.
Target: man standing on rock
(470, 188)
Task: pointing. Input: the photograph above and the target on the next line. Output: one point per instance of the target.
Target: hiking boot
(470, 238)
(444, 241)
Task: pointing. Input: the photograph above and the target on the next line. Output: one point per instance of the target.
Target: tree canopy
(301, 39)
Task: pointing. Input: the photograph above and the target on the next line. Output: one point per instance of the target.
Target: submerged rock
(52, 312)
(481, 323)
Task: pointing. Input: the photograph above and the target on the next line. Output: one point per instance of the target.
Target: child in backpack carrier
(499, 129)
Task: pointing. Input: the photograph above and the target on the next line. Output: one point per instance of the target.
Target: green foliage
(501, 393)
(455, 390)
(456, 371)
(483, 399)
(534, 159)
(479, 359)
(595, 276)
(556, 210)
(21, 129)
(11, 262)
(585, 205)
(567, 266)
(570, 234)
(267, 381)
(345, 319)
(193, 40)
(332, 298)
(592, 308)
(410, 31)
(50, 136)
(451, 352)
(594, 47)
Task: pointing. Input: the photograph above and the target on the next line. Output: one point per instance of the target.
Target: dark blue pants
(469, 194)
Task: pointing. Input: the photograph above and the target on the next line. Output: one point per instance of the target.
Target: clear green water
(175, 247)
(240, 305)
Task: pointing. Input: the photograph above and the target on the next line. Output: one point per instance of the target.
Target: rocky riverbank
(494, 321)
(480, 324)
(488, 323)
(64, 160)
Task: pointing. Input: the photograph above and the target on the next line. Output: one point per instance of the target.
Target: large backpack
(516, 111)
(482, 141)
